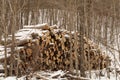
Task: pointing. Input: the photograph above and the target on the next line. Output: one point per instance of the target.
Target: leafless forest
(97, 20)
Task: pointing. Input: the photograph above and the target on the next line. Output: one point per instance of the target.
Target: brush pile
(52, 49)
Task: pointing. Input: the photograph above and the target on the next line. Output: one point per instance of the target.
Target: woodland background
(96, 19)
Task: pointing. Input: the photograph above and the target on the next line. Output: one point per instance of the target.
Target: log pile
(94, 58)
(51, 50)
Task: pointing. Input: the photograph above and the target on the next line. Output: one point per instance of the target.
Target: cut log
(20, 43)
(29, 52)
(39, 26)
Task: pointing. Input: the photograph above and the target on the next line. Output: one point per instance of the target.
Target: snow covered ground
(57, 75)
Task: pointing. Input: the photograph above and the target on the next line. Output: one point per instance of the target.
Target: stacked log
(94, 56)
(51, 50)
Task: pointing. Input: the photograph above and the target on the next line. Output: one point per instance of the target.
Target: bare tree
(5, 33)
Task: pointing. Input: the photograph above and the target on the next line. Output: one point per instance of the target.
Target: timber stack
(51, 49)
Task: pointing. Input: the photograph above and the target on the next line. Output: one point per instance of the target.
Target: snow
(37, 26)
(47, 75)
(1, 67)
(2, 55)
(13, 78)
(26, 32)
(10, 78)
(1, 48)
(66, 35)
(60, 72)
